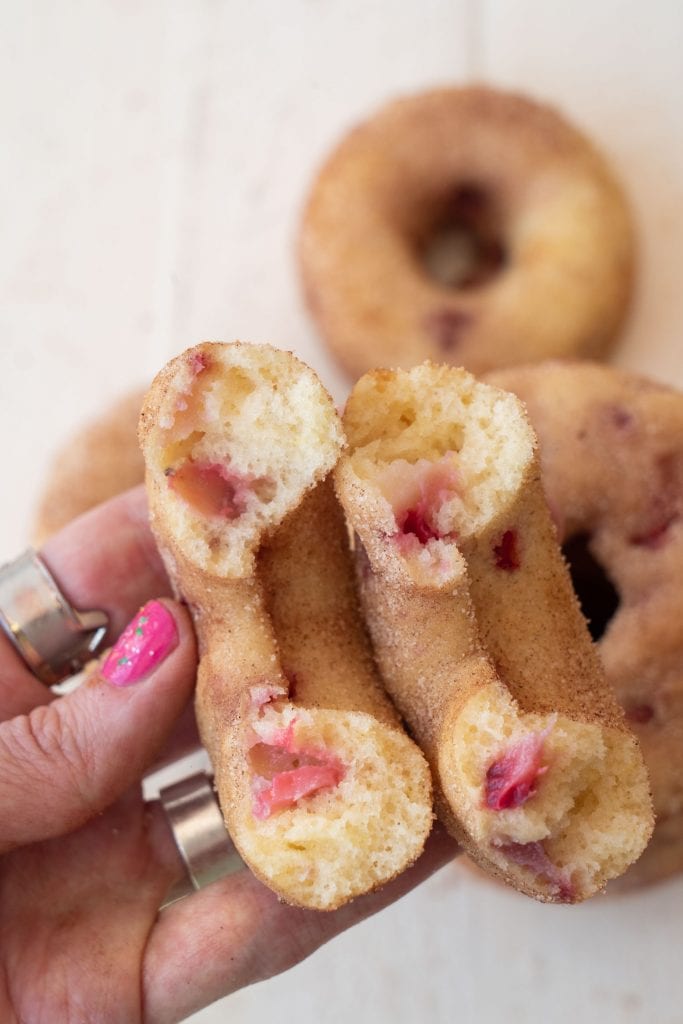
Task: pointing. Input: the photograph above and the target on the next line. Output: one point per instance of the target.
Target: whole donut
(612, 463)
(466, 225)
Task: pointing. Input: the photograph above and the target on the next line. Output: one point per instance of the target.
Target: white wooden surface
(153, 159)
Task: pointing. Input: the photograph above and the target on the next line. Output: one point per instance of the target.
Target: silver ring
(53, 638)
(199, 832)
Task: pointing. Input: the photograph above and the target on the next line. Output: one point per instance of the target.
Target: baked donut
(323, 793)
(479, 637)
(102, 459)
(466, 225)
(611, 448)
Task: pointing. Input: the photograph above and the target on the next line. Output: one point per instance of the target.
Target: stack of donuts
(491, 564)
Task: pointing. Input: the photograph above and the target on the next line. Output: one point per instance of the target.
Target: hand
(85, 862)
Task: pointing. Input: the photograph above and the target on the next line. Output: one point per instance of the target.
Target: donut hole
(597, 595)
(463, 247)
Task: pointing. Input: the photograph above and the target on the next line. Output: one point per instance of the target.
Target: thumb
(68, 760)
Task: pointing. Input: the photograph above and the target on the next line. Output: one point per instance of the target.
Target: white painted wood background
(154, 155)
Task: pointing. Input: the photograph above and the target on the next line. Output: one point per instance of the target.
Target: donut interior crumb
(241, 432)
(575, 821)
(405, 424)
(333, 844)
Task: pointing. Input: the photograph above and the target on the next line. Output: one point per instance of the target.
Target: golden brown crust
(311, 600)
(555, 205)
(101, 460)
(613, 474)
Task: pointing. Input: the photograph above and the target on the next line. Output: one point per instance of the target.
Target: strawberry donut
(466, 225)
(612, 461)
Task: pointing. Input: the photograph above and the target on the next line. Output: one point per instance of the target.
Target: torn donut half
(323, 793)
(479, 637)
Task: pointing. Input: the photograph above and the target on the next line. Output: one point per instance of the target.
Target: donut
(323, 793)
(611, 448)
(469, 226)
(479, 637)
(100, 460)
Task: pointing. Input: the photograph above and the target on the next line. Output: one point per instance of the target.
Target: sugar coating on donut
(445, 454)
(321, 841)
(240, 432)
(576, 824)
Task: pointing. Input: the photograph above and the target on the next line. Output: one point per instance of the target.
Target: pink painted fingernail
(144, 643)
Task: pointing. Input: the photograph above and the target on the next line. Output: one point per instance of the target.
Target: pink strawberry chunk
(211, 488)
(513, 778)
(506, 552)
(286, 771)
(417, 491)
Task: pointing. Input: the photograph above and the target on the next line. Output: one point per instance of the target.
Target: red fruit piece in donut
(657, 535)
(665, 506)
(639, 713)
(506, 552)
(513, 778)
(534, 857)
(213, 489)
(417, 491)
(199, 362)
(447, 327)
(286, 771)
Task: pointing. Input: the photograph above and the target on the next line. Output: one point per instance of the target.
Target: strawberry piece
(212, 489)
(506, 552)
(287, 787)
(287, 771)
(198, 362)
(513, 778)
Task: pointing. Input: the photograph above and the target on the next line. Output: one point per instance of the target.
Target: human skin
(85, 862)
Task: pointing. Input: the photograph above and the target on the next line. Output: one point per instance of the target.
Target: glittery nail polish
(143, 645)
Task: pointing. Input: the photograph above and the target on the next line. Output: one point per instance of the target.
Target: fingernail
(143, 645)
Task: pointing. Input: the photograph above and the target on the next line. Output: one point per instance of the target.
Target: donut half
(323, 793)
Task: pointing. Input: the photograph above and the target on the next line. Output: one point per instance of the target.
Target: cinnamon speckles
(506, 552)
(447, 327)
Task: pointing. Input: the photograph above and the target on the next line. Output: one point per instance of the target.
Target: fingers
(87, 748)
(236, 932)
(106, 559)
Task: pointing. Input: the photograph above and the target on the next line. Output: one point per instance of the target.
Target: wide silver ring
(199, 832)
(53, 638)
